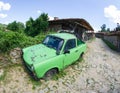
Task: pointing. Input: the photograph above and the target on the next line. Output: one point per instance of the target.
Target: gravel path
(99, 72)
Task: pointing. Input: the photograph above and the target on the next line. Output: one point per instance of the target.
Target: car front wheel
(49, 74)
(80, 57)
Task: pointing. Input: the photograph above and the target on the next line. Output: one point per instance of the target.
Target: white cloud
(51, 18)
(4, 6)
(39, 12)
(112, 13)
(3, 15)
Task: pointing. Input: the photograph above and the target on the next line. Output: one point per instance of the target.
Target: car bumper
(29, 71)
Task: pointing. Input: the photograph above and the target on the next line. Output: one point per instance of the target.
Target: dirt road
(99, 72)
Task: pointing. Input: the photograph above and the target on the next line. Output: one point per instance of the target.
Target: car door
(70, 52)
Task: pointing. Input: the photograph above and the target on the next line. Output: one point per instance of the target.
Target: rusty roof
(78, 21)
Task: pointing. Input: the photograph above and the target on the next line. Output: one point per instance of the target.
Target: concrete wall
(114, 39)
(118, 43)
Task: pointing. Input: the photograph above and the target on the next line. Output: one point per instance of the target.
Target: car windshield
(53, 42)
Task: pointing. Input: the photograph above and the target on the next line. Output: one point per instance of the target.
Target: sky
(95, 12)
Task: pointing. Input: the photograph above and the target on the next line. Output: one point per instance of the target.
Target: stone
(90, 81)
(94, 66)
(15, 55)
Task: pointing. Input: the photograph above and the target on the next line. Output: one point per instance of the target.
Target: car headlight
(32, 68)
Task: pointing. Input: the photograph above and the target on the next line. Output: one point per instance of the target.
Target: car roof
(65, 36)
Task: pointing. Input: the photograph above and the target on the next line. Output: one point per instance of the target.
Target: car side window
(70, 44)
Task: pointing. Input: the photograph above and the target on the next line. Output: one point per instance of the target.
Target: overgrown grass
(110, 45)
(10, 40)
(2, 77)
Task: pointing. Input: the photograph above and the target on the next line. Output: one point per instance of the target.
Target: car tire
(49, 74)
(81, 56)
(36, 78)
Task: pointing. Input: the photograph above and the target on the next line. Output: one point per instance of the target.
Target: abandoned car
(55, 53)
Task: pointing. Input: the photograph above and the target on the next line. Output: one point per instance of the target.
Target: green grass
(110, 45)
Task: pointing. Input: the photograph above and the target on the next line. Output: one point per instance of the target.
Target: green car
(56, 52)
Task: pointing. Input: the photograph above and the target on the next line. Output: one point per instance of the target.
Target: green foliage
(2, 27)
(29, 27)
(108, 30)
(34, 27)
(16, 26)
(118, 27)
(10, 40)
(59, 75)
(103, 28)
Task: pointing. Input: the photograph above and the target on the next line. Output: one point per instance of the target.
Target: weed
(34, 83)
(59, 75)
(6, 70)
(33, 87)
(2, 77)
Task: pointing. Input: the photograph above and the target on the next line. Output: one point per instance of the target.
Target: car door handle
(76, 51)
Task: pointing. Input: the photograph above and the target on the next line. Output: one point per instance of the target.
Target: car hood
(37, 53)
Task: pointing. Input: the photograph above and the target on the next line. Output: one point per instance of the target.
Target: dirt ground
(99, 72)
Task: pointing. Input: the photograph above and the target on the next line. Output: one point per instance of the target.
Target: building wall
(79, 31)
(55, 27)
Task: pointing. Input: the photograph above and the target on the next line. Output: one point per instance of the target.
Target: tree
(21, 27)
(34, 27)
(16, 26)
(29, 27)
(103, 28)
(108, 30)
(118, 27)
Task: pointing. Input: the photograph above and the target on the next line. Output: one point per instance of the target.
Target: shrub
(10, 40)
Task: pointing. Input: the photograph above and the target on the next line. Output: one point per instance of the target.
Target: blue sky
(96, 12)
